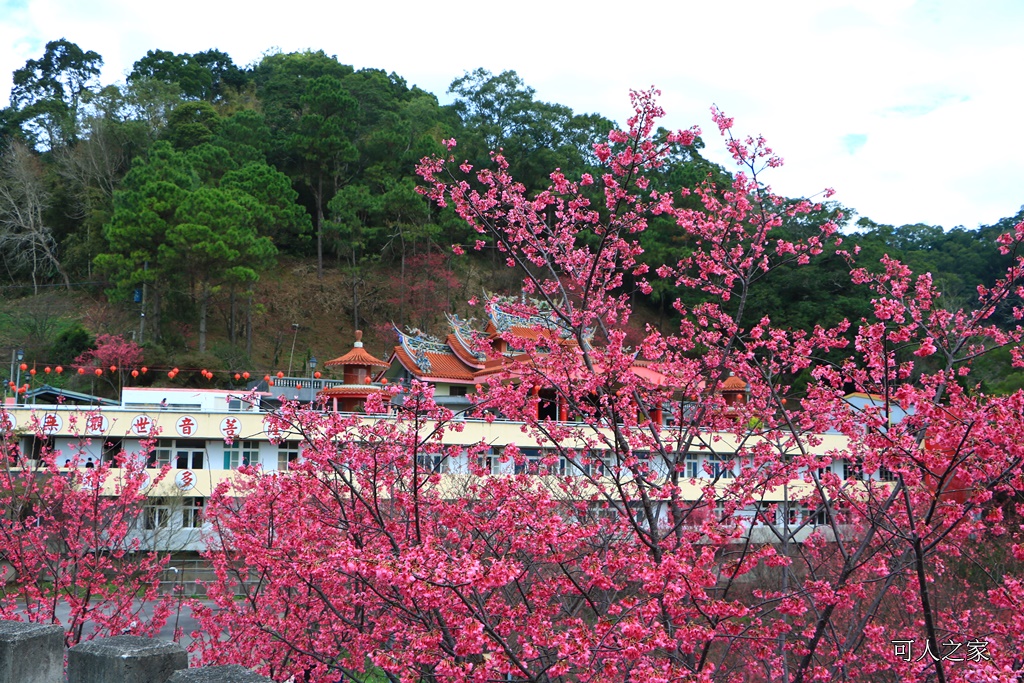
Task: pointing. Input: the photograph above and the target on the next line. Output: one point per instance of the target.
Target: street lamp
(295, 328)
(312, 366)
(20, 356)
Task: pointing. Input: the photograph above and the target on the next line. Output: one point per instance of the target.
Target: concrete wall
(34, 653)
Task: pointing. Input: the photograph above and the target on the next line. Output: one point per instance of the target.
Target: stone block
(125, 659)
(31, 653)
(232, 673)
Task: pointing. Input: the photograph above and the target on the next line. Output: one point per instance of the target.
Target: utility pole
(142, 312)
(295, 328)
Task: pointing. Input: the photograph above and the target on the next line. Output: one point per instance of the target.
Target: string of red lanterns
(135, 373)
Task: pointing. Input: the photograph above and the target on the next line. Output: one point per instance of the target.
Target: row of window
(193, 454)
(185, 454)
(158, 513)
(695, 465)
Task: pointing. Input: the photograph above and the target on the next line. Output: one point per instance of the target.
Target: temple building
(358, 367)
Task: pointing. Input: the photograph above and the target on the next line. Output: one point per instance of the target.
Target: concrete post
(125, 659)
(31, 653)
(232, 673)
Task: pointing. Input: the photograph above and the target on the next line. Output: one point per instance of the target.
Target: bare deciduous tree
(26, 241)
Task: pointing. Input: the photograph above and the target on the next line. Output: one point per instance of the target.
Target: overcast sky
(910, 110)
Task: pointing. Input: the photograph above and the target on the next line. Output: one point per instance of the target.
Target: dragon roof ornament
(418, 344)
(464, 332)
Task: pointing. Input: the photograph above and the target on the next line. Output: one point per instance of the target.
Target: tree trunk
(232, 317)
(248, 324)
(204, 300)
(319, 198)
(355, 294)
(155, 318)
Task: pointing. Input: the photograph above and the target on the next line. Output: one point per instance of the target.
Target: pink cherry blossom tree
(668, 530)
(68, 544)
(114, 356)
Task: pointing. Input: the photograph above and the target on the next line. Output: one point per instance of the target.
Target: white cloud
(923, 82)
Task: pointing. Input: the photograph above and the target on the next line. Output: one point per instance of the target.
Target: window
(852, 470)
(489, 463)
(161, 455)
(241, 453)
(287, 454)
(531, 461)
(457, 391)
(820, 515)
(188, 459)
(691, 466)
(885, 474)
(721, 465)
(192, 513)
(796, 514)
(156, 514)
(432, 462)
(111, 449)
(182, 454)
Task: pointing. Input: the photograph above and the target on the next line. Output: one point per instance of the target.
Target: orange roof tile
(357, 356)
(349, 390)
(463, 354)
(442, 366)
(734, 383)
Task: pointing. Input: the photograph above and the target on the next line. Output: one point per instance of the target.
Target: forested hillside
(205, 209)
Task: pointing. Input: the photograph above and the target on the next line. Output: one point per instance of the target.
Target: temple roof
(349, 390)
(734, 383)
(357, 356)
(431, 359)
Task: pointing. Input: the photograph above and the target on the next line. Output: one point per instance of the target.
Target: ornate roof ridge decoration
(464, 333)
(418, 344)
(544, 317)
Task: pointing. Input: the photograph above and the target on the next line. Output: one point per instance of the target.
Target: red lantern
(317, 374)
(144, 369)
(266, 378)
(98, 372)
(368, 381)
(113, 368)
(81, 371)
(32, 372)
(170, 374)
(279, 374)
(384, 380)
(47, 369)
(24, 367)
(22, 390)
(245, 375)
(298, 386)
(237, 377)
(60, 369)
(135, 373)
(270, 382)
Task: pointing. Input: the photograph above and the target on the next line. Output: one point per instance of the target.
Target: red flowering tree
(69, 544)
(674, 527)
(114, 357)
